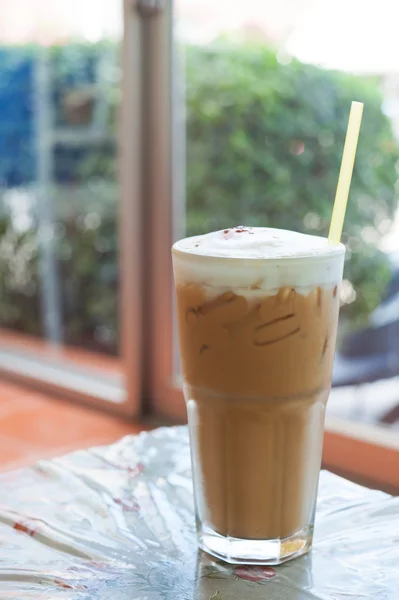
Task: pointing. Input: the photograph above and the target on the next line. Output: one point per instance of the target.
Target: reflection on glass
(214, 577)
(265, 134)
(59, 93)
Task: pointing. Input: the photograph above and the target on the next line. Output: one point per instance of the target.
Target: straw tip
(345, 174)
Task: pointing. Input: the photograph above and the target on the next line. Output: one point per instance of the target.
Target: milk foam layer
(257, 260)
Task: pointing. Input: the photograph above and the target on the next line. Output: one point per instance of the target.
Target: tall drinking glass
(257, 316)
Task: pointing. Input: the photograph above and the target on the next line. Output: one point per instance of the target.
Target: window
(265, 92)
(61, 272)
(125, 125)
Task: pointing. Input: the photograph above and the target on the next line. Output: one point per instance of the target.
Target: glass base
(238, 551)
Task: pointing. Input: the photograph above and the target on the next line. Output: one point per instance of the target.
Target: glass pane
(268, 91)
(59, 94)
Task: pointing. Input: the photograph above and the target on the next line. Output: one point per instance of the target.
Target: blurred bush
(85, 246)
(265, 144)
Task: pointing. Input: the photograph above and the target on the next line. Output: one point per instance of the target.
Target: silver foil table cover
(117, 523)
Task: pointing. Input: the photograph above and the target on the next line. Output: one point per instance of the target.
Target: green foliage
(84, 243)
(86, 247)
(264, 148)
(19, 291)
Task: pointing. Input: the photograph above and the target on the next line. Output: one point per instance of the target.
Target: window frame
(166, 217)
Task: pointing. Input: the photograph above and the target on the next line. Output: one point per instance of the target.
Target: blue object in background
(71, 67)
(17, 160)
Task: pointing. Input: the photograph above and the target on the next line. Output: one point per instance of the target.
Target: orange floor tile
(35, 425)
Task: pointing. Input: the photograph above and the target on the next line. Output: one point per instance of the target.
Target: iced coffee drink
(257, 314)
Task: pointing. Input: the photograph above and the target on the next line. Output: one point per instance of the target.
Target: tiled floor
(34, 425)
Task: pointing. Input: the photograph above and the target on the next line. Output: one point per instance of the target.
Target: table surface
(117, 523)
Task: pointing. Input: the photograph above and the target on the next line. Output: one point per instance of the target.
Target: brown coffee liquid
(257, 376)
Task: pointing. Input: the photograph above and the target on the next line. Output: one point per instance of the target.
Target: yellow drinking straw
(345, 173)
